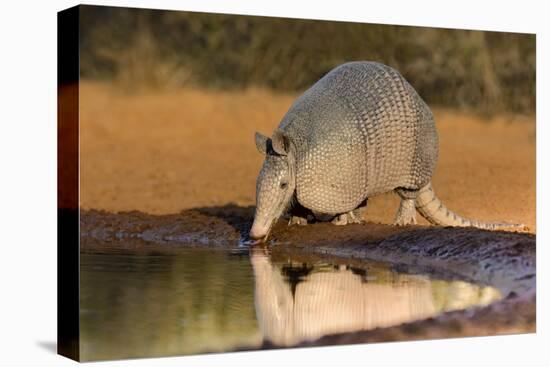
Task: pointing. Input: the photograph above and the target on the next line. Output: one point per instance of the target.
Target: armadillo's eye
(284, 185)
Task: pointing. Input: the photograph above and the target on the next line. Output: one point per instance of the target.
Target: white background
(28, 181)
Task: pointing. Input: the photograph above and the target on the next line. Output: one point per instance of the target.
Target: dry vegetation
(162, 152)
(485, 71)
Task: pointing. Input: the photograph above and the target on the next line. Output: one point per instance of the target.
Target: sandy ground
(164, 152)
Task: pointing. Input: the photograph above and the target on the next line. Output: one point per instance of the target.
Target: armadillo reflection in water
(339, 300)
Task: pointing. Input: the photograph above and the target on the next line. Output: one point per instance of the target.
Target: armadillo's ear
(279, 142)
(261, 142)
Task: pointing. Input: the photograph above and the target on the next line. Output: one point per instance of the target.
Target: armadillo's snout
(258, 231)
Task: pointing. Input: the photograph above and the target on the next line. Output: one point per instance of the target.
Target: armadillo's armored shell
(359, 131)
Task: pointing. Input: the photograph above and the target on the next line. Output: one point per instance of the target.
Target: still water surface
(212, 301)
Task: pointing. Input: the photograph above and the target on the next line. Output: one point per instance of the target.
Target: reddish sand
(163, 152)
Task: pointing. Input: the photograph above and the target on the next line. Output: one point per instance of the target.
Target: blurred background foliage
(136, 48)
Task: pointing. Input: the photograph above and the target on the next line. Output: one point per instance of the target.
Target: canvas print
(231, 183)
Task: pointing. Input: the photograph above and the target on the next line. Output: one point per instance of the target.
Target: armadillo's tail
(431, 208)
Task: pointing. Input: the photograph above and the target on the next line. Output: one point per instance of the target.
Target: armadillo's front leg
(298, 215)
(347, 218)
(297, 220)
(354, 216)
(406, 214)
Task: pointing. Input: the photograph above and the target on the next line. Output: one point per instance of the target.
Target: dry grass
(161, 152)
(485, 71)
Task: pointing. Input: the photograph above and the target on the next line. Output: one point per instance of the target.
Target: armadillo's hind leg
(406, 214)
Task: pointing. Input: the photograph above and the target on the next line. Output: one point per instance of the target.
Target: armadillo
(360, 131)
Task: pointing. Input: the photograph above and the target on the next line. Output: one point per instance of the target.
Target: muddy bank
(134, 231)
(504, 260)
